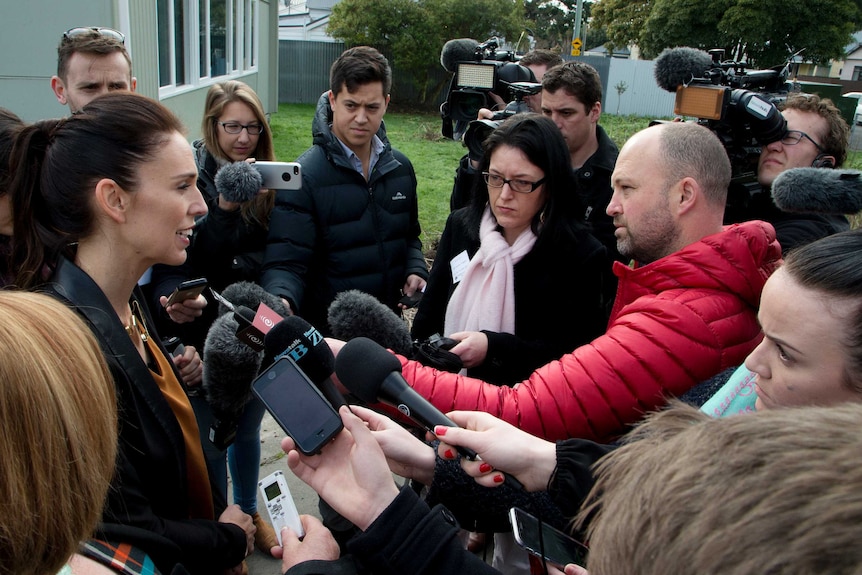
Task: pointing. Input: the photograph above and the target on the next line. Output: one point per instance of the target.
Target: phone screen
(297, 405)
(556, 547)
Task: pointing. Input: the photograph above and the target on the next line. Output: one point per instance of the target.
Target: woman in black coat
(98, 198)
(518, 278)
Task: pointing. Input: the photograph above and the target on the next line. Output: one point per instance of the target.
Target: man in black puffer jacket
(354, 224)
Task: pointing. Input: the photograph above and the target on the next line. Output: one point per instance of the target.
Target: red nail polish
(440, 430)
(448, 454)
(498, 479)
(485, 467)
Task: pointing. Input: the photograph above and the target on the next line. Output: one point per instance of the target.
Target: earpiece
(823, 161)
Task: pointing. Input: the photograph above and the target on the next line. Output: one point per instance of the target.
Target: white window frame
(242, 41)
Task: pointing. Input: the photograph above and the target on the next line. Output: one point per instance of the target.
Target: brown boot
(264, 538)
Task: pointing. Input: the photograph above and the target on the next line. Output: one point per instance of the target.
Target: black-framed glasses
(236, 128)
(88, 31)
(793, 137)
(520, 186)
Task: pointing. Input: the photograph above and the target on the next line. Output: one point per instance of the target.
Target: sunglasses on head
(88, 31)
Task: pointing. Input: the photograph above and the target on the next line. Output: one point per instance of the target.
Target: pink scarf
(485, 297)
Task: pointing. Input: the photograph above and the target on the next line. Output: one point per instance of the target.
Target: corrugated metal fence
(304, 75)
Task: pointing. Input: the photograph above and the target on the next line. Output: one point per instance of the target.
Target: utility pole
(577, 42)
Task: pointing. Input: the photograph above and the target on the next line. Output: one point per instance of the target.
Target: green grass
(434, 158)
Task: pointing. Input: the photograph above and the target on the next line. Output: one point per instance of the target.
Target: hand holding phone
(297, 405)
(190, 289)
(546, 542)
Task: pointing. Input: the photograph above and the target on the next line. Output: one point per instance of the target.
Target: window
(203, 40)
(857, 73)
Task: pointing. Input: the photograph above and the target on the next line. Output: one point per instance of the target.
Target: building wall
(33, 30)
(31, 33)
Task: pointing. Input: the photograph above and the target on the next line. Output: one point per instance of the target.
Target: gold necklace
(137, 327)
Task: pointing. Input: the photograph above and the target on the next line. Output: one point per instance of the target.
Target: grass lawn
(434, 158)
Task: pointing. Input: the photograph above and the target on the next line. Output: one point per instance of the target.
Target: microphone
(238, 182)
(677, 66)
(458, 50)
(354, 313)
(818, 190)
(374, 375)
(253, 325)
(301, 341)
(230, 367)
(251, 295)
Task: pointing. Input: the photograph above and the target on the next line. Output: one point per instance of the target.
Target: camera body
(740, 107)
(490, 70)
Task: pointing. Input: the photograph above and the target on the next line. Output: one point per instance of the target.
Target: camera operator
(537, 61)
(817, 136)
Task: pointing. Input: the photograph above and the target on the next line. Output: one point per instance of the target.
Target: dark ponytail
(57, 164)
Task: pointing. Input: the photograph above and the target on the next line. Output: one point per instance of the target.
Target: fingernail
(485, 467)
(448, 454)
(498, 479)
(440, 430)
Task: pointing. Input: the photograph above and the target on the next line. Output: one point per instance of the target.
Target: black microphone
(238, 182)
(677, 66)
(374, 375)
(354, 313)
(247, 297)
(230, 366)
(458, 50)
(301, 341)
(818, 190)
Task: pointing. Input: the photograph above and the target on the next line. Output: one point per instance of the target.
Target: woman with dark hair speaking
(517, 279)
(98, 198)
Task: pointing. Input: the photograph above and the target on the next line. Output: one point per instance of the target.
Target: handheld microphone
(457, 50)
(301, 341)
(238, 182)
(818, 190)
(677, 66)
(253, 325)
(374, 375)
(354, 313)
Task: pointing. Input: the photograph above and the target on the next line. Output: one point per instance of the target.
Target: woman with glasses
(227, 248)
(517, 280)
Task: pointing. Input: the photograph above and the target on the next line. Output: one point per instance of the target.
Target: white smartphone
(280, 175)
(279, 503)
(555, 546)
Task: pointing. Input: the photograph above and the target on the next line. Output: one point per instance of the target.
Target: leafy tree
(766, 32)
(412, 32)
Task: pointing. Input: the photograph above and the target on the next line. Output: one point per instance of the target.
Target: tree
(412, 32)
(766, 32)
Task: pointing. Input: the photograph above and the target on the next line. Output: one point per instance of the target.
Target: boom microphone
(677, 66)
(457, 50)
(229, 367)
(301, 341)
(238, 182)
(818, 190)
(354, 313)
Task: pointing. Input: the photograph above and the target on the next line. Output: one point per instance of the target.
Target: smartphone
(187, 290)
(555, 546)
(279, 503)
(297, 405)
(280, 175)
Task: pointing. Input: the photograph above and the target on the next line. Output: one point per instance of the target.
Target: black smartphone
(409, 301)
(555, 546)
(187, 290)
(297, 405)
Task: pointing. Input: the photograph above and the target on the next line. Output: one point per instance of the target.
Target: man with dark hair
(572, 97)
(817, 137)
(354, 224)
(91, 61)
